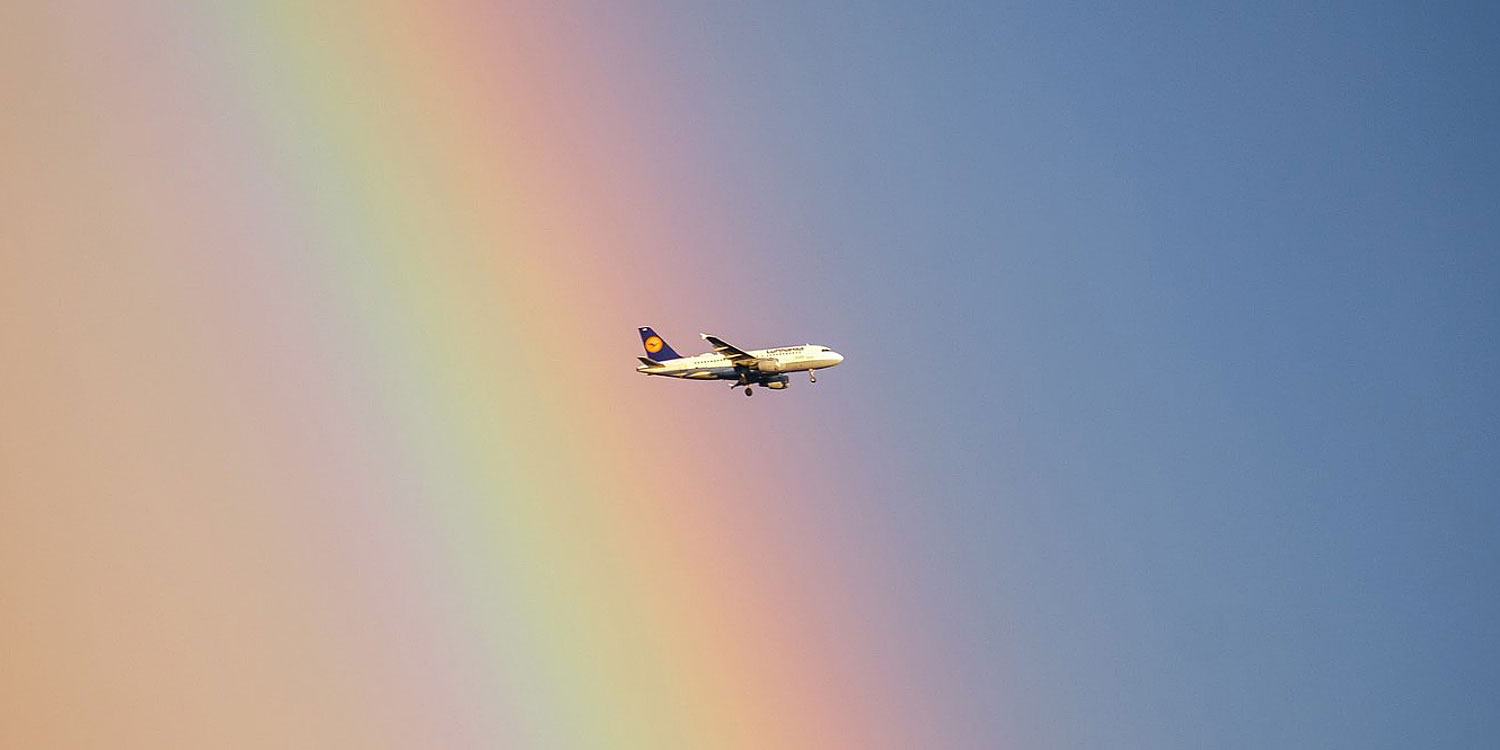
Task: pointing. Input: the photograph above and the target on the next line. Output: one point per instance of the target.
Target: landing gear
(812, 376)
(749, 391)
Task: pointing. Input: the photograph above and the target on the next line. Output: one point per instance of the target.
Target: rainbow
(320, 443)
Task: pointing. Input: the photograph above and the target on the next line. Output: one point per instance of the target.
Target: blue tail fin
(656, 348)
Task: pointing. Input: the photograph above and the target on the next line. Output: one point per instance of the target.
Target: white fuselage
(715, 366)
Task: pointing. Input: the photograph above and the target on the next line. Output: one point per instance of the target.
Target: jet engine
(767, 365)
(777, 383)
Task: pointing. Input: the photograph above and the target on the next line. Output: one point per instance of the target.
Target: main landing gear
(749, 391)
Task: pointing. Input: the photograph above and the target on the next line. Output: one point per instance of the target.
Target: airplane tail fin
(657, 348)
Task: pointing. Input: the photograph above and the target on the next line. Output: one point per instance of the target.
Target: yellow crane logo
(653, 344)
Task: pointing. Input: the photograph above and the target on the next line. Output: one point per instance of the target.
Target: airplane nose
(837, 358)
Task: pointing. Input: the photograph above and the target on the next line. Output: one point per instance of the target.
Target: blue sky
(1172, 337)
(1169, 416)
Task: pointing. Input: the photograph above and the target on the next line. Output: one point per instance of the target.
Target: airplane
(763, 367)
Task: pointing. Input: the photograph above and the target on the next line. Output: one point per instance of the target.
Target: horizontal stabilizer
(647, 361)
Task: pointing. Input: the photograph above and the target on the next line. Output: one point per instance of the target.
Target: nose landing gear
(812, 376)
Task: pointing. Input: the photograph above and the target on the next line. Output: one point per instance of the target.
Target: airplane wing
(730, 351)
